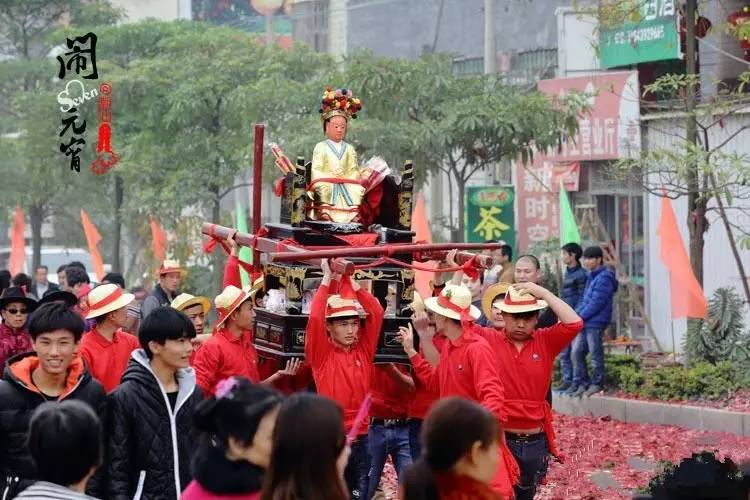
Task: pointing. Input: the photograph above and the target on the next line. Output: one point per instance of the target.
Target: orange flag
(421, 227)
(158, 240)
(93, 238)
(17, 244)
(687, 295)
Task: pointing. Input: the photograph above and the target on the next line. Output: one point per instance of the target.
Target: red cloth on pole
(17, 243)
(93, 238)
(687, 295)
(158, 240)
(421, 226)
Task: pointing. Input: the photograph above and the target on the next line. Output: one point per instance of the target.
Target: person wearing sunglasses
(15, 307)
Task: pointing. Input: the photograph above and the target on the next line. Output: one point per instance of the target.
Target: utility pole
(490, 51)
(696, 201)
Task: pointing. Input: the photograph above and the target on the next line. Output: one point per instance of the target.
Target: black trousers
(357, 470)
(532, 456)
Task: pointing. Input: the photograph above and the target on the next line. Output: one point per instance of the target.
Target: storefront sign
(654, 37)
(489, 214)
(610, 131)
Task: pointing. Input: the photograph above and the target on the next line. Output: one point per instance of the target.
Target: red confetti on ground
(738, 401)
(608, 459)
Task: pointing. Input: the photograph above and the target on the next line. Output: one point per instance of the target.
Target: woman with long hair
(310, 451)
(459, 454)
(238, 425)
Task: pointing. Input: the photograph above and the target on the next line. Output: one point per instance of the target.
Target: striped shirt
(42, 490)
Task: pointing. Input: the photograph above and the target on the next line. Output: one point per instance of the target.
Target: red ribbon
(106, 300)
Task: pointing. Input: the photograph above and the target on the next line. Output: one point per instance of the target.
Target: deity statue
(341, 190)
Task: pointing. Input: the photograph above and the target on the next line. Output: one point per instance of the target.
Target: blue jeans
(533, 459)
(384, 440)
(566, 367)
(358, 468)
(415, 438)
(591, 339)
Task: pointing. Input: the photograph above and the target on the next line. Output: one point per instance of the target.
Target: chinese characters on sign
(489, 214)
(105, 155)
(80, 59)
(610, 131)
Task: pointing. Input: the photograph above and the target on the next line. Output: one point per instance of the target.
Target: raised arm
(564, 312)
(373, 325)
(317, 345)
(421, 322)
(424, 371)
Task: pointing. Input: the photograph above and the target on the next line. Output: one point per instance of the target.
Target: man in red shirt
(524, 357)
(392, 391)
(466, 367)
(106, 348)
(340, 348)
(230, 351)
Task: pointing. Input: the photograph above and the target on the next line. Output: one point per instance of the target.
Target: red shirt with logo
(107, 360)
(343, 374)
(526, 374)
(390, 399)
(223, 356)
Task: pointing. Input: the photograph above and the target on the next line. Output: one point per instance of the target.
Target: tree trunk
(461, 182)
(217, 260)
(696, 218)
(36, 217)
(117, 235)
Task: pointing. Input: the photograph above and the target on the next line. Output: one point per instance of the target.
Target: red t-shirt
(526, 374)
(107, 360)
(343, 375)
(468, 369)
(223, 356)
(390, 399)
(424, 396)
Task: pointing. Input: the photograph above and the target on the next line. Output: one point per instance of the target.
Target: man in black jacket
(151, 436)
(54, 372)
(170, 277)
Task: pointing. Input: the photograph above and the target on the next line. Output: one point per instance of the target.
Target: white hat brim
(432, 304)
(122, 301)
(511, 309)
(248, 296)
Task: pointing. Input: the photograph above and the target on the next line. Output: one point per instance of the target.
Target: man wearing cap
(491, 300)
(524, 357)
(340, 347)
(15, 307)
(230, 351)
(466, 368)
(195, 308)
(106, 348)
(170, 276)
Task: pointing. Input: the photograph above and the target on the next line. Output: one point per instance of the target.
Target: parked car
(52, 257)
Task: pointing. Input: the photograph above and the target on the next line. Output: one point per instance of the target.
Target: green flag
(245, 253)
(568, 227)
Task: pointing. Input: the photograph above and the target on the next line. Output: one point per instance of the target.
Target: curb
(648, 412)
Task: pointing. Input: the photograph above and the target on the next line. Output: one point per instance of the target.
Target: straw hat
(185, 300)
(452, 301)
(339, 307)
(232, 298)
(105, 299)
(517, 302)
(417, 304)
(493, 293)
(258, 289)
(170, 266)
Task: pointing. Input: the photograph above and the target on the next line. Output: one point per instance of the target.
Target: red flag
(158, 240)
(17, 243)
(687, 295)
(93, 238)
(421, 227)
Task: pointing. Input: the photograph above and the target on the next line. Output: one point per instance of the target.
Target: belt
(524, 438)
(388, 422)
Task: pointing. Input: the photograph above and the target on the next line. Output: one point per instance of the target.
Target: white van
(53, 257)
